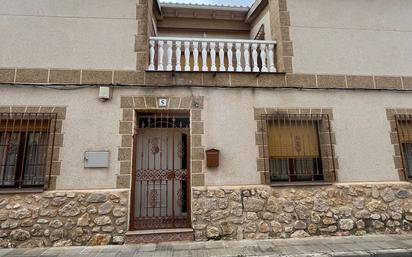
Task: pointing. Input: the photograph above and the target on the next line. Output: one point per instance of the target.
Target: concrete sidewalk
(374, 245)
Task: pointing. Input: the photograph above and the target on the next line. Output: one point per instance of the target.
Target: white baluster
(271, 58)
(178, 55)
(246, 55)
(204, 56)
(160, 55)
(187, 55)
(213, 56)
(238, 57)
(152, 54)
(169, 66)
(254, 58)
(229, 57)
(263, 57)
(222, 57)
(195, 56)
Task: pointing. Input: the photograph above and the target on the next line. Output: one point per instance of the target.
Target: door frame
(134, 165)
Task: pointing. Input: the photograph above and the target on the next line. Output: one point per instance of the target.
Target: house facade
(138, 121)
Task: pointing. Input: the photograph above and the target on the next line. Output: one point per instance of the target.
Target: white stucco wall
(363, 145)
(351, 36)
(89, 125)
(77, 34)
(362, 131)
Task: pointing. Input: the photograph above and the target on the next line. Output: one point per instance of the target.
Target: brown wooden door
(161, 189)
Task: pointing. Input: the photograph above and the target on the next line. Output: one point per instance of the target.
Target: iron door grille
(162, 177)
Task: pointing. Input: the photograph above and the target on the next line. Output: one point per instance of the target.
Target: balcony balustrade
(207, 54)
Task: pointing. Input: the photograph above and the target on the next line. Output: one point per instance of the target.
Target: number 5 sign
(162, 102)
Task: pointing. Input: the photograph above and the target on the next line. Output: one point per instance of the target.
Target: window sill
(20, 190)
(286, 184)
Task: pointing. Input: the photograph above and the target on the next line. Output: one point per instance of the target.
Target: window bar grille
(25, 145)
(403, 123)
(333, 172)
(299, 155)
(52, 149)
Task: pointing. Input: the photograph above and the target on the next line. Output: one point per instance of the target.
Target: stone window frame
(393, 134)
(50, 181)
(132, 104)
(261, 145)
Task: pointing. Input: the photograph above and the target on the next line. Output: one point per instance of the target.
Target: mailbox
(212, 158)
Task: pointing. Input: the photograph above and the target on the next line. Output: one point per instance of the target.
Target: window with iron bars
(298, 147)
(404, 130)
(26, 149)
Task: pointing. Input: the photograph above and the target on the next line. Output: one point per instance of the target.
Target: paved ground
(387, 245)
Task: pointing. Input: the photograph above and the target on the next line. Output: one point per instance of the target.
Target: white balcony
(207, 54)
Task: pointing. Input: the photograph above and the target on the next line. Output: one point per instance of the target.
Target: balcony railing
(201, 54)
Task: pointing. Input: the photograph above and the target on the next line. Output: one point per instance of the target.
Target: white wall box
(96, 159)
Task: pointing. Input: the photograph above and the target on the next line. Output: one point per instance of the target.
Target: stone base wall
(63, 218)
(261, 212)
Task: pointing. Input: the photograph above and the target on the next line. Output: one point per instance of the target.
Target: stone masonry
(58, 218)
(262, 212)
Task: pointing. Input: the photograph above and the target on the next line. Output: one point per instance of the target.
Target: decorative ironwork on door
(161, 175)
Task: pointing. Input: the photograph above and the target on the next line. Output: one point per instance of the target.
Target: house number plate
(162, 102)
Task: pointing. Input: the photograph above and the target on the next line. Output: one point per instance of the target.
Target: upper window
(25, 149)
(404, 128)
(298, 147)
(260, 35)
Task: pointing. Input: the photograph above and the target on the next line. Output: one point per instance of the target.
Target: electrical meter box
(96, 159)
